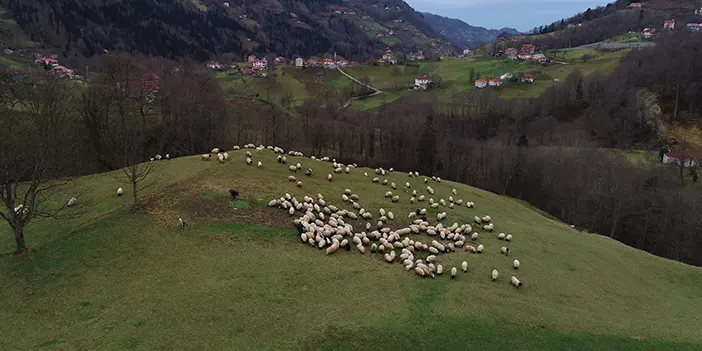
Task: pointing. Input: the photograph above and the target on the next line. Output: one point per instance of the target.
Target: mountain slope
(463, 34)
(353, 28)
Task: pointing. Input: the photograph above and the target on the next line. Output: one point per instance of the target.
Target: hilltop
(355, 29)
(463, 34)
(117, 278)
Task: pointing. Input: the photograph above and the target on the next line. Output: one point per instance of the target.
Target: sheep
(477, 220)
(489, 227)
(347, 170)
(72, 202)
(501, 236)
(494, 274)
(395, 198)
(391, 216)
(308, 172)
(454, 191)
(248, 161)
(182, 223)
(393, 186)
(365, 174)
(375, 180)
(215, 150)
(474, 236)
(205, 157)
(273, 203)
(508, 237)
(120, 191)
(385, 182)
(480, 248)
(516, 282)
(486, 219)
(354, 197)
(453, 272)
(168, 156)
(504, 251)
(421, 198)
(430, 190)
(431, 258)
(236, 147)
(515, 263)
(407, 185)
(226, 156)
(298, 166)
(329, 177)
(469, 248)
(439, 269)
(248, 154)
(220, 157)
(233, 193)
(292, 168)
(158, 157)
(299, 184)
(291, 210)
(419, 271)
(464, 266)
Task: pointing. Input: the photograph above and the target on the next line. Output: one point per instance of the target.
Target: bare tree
(36, 146)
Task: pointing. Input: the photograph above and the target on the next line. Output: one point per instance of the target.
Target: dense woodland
(82, 28)
(546, 151)
(606, 22)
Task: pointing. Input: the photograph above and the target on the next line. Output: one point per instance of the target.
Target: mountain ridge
(463, 34)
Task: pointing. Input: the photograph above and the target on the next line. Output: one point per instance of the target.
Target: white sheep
(516, 282)
(501, 236)
(205, 157)
(480, 248)
(260, 164)
(220, 157)
(248, 154)
(494, 274)
(453, 272)
(347, 170)
(292, 168)
(464, 266)
(168, 156)
(236, 147)
(515, 263)
(504, 251)
(474, 236)
(120, 191)
(226, 156)
(454, 191)
(215, 150)
(299, 184)
(158, 157)
(329, 177)
(72, 202)
(395, 198)
(508, 237)
(439, 269)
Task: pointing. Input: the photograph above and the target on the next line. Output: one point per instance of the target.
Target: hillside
(463, 34)
(118, 279)
(356, 29)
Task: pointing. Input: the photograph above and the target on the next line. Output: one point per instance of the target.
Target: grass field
(239, 279)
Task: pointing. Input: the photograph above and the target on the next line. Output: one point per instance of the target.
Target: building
(466, 52)
(495, 82)
(389, 58)
(507, 75)
(530, 48)
(481, 83)
(299, 62)
(329, 64)
(676, 158)
(635, 5)
(538, 57)
(527, 78)
(214, 65)
(649, 33)
(422, 82)
(252, 58)
(695, 27)
(512, 57)
(669, 24)
(418, 56)
(260, 63)
(524, 56)
(343, 63)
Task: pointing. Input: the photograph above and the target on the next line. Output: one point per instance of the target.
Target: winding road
(374, 93)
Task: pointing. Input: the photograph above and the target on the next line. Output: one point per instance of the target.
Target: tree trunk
(134, 191)
(19, 240)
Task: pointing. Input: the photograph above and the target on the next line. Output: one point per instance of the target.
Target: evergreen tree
(427, 147)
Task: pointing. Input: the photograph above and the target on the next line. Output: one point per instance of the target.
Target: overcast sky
(520, 14)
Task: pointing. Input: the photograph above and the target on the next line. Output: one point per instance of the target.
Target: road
(374, 93)
(605, 45)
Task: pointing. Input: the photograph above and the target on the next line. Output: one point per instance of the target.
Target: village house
(481, 83)
(299, 62)
(511, 57)
(214, 65)
(511, 51)
(329, 64)
(62, 71)
(524, 56)
(280, 60)
(46, 61)
(260, 63)
(538, 57)
(343, 63)
(695, 27)
(252, 58)
(418, 56)
(495, 82)
(389, 58)
(670, 24)
(530, 48)
(467, 52)
(649, 33)
(678, 158)
(527, 78)
(506, 76)
(422, 82)
(313, 63)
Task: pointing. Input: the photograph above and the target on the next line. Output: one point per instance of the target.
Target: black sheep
(233, 193)
(300, 228)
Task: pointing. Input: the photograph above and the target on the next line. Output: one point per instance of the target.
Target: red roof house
(481, 83)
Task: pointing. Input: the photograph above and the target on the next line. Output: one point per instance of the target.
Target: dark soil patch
(219, 209)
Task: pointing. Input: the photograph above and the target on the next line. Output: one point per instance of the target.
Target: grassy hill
(239, 278)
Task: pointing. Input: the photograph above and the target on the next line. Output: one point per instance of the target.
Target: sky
(520, 14)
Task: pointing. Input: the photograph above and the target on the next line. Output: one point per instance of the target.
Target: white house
(466, 51)
(422, 82)
(329, 64)
(260, 63)
(495, 82)
(507, 75)
(481, 83)
(299, 62)
(671, 157)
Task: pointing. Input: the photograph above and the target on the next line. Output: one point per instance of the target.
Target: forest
(551, 151)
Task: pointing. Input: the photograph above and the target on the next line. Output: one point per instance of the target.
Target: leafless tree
(36, 150)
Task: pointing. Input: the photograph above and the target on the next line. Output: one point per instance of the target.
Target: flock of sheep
(324, 225)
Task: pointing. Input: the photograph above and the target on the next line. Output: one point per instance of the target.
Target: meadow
(238, 277)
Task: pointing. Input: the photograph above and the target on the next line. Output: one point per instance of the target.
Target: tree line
(551, 151)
